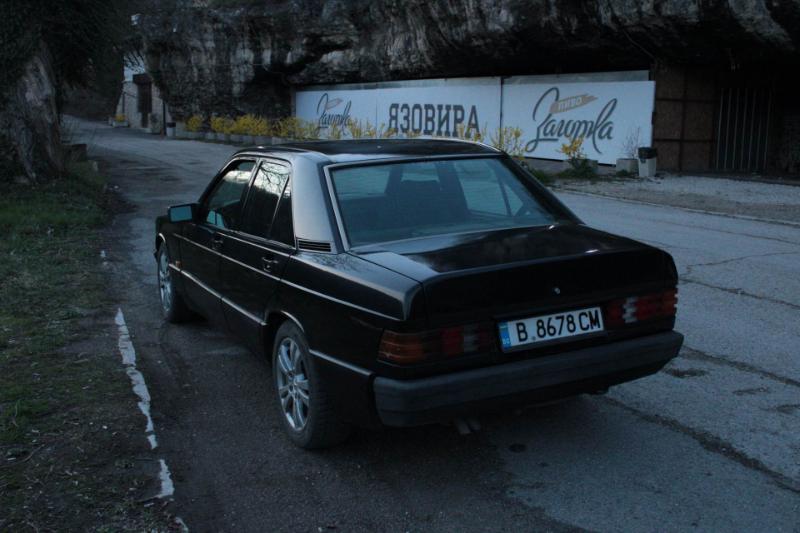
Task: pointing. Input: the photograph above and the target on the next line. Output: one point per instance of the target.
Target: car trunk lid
(493, 275)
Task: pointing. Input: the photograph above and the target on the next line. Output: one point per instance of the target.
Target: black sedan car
(404, 282)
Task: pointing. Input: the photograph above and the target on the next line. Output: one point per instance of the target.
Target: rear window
(395, 201)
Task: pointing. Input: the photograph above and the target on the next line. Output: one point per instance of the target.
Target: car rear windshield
(405, 200)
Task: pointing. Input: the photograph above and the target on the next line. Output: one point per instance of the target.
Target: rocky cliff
(224, 56)
(30, 142)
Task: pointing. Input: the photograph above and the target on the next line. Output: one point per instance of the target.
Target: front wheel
(172, 304)
(303, 399)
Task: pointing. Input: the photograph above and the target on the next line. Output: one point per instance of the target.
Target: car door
(253, 258)
(220, 210)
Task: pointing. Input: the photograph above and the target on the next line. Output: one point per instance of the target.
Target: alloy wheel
(164, 281)
(292, 383)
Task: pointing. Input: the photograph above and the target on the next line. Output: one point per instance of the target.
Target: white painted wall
(609, 109)
(428, 107)
(606, 114)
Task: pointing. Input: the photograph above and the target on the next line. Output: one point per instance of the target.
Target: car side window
(282, 226)
(262, 200)
(223, 206)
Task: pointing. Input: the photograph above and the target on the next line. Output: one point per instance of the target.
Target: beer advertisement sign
(612, 117)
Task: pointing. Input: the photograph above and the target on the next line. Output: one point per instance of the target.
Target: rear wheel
(172, 304)
(303, 399)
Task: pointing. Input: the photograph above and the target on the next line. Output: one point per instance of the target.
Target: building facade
(140, 101)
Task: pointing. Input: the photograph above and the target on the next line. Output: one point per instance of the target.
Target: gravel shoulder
(755, 199)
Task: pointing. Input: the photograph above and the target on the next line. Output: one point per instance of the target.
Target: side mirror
(182, 213)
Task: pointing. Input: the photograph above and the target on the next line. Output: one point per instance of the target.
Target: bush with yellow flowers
(580, 166)
(195, 123)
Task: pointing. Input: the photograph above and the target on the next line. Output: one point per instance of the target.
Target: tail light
(641, 308)
(407, 348)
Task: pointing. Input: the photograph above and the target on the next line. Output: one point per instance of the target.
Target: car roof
(346, 151)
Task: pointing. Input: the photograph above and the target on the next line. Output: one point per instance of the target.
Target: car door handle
(216, 242)
(268, 264)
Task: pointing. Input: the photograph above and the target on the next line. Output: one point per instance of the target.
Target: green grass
(66, 409)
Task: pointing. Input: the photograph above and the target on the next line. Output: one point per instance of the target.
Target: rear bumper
(421, 401)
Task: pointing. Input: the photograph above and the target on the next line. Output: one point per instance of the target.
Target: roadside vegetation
(253, 129)
(71, 440)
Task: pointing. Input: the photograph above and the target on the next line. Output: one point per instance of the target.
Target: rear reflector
(641, 308)
(407, 348)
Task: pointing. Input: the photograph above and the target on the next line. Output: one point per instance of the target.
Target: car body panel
(250, 274)
(344, 298)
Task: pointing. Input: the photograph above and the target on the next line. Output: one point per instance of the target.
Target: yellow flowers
(195, 123)
(509, 140)
(294, 128)
(259, 127)
(119, 118)
(579, 166)
(221, 124)
(366, 130)
(471, 134)
(289, 127)
(573, 149)
(242, 125)
(335, 132)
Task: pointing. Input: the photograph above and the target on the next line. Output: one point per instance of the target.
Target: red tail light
(641, 308)
(406, 348)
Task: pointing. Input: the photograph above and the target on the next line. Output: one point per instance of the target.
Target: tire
(173, 305)
(315, 424)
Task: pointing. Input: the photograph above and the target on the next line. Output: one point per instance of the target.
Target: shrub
(509, 140)
(382, 132)
(195, 123)
(356, 129)
(221, 124)
(295, 128)
(259, 127)
(242, 125)
(335, 132)
(573, 149)
(580, 167)
(366, 130)
(471, 134)
(630, 145)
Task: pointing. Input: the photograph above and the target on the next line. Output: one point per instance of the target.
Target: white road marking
(181, 524)
(167, 488)
(128, 354)
(137, 379)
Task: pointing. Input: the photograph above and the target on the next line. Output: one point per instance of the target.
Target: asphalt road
(712, 443)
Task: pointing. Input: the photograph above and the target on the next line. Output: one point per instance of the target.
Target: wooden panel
(699, 121)
(668, 154)
(667, 123)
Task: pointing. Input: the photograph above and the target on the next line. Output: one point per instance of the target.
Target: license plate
(546, 328)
